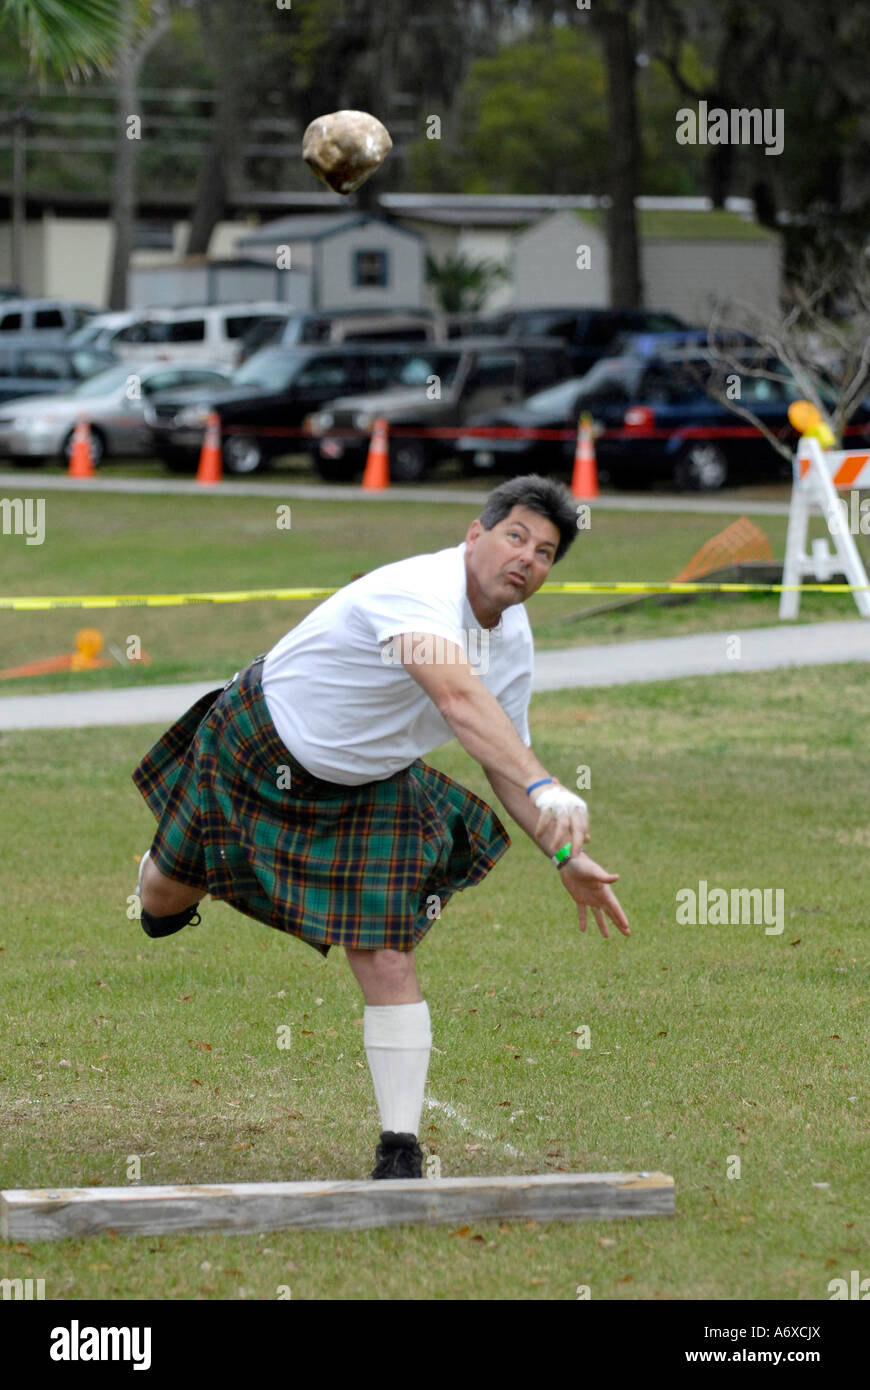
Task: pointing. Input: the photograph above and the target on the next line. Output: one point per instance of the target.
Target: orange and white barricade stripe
(818, 474)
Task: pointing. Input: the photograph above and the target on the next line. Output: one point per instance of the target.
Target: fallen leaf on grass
(194, 1082)
(463, 1231)
(626, 1279)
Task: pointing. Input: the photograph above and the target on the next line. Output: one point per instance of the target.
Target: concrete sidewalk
(667, 658)
(730, 504)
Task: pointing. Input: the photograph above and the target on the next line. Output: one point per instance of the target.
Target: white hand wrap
(558, 801)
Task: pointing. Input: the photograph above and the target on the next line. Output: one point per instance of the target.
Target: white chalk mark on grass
(453, 1114)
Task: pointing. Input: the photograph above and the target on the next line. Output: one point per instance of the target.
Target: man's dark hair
(542, 495)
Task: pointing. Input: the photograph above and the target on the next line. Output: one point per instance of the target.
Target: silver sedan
(39, 427)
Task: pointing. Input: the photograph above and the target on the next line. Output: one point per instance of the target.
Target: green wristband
(561, 856)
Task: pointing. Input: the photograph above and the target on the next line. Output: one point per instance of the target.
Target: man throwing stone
(298, 793)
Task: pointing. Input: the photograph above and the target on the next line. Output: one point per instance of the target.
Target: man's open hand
(589, 886)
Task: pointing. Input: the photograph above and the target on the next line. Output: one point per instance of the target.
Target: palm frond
(72, 38)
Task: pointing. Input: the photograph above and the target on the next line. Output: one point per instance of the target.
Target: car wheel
(242, 454)
(98, 447)
(408, 460)
(701, 468)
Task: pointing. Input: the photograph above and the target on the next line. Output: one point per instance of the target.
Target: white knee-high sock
(398, 1039)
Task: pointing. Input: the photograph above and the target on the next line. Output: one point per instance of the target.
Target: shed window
(370, 268)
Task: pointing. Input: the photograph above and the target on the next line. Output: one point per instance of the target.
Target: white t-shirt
(337, 692)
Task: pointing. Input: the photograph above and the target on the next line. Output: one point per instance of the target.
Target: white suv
(205, 332)
(42, 318)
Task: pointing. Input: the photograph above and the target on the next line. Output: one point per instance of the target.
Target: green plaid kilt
(331, 864)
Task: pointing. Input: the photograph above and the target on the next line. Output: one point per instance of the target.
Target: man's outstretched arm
(487, 734)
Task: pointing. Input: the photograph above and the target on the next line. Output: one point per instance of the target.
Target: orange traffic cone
(210, 468)
(81, 459)
(377, 470)
(584, 482)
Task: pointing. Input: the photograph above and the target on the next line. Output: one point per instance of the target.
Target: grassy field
(708, 1043)
(121, 544)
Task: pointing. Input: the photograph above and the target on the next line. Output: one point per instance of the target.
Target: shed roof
(316, 227)
(679, 225)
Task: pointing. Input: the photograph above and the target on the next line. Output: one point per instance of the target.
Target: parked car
(42, 318)
(437, 387)
(344, 326)
(112, 402)
(651, 344)
(654, 419)
(101, 330)
(587, 333)
(30, 367)
(556, 408)
(190, 333)
(262, 407)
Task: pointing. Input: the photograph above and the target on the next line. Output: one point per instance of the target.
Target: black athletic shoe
(398, 1156)
(165, 926)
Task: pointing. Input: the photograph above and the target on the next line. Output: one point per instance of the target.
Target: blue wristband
(530, 789)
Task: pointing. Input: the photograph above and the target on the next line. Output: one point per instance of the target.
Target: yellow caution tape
(41, 604)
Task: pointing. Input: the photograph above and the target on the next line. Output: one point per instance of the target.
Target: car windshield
(546, 325)
(612, 375)
(266, 331)
(420, 366)
(555, 399)
(84, 336)
(104, 383)
(271, 371)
